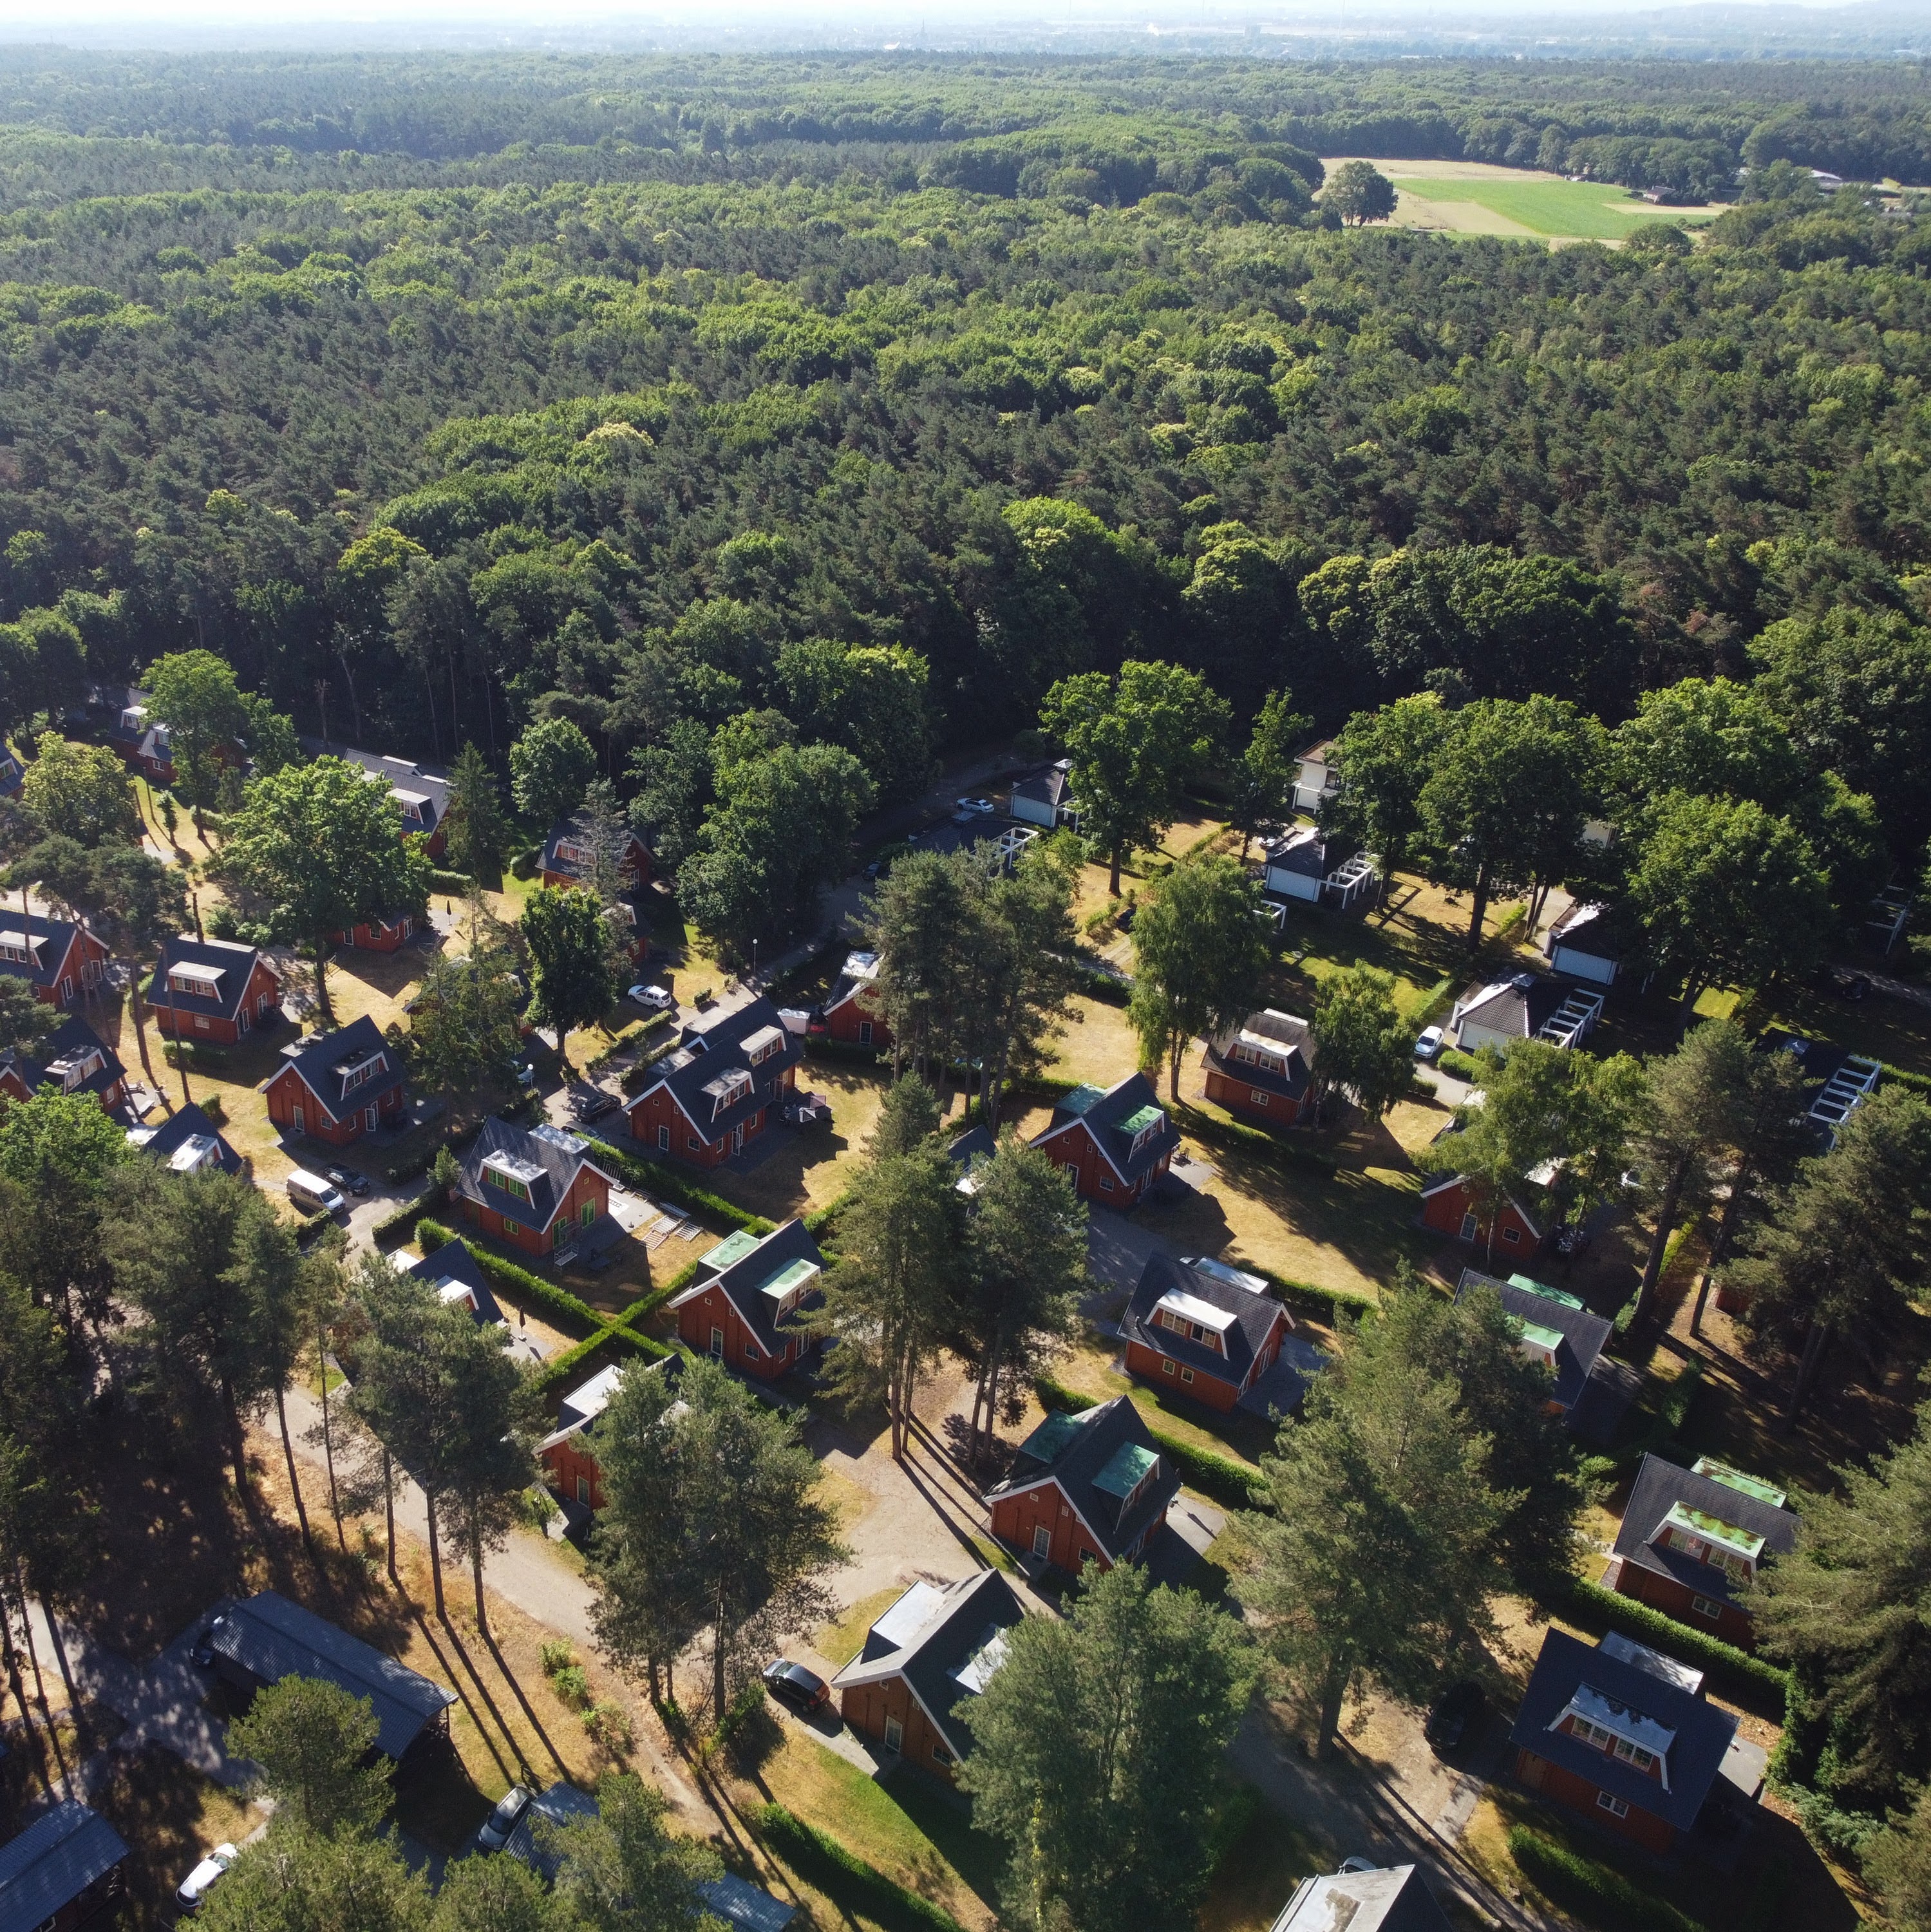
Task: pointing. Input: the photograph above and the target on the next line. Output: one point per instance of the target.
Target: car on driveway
(193, 1889)
(1429, 1044)
(975, 808)
(350, 1179)
(588, 1105)
(657, 998)
(1455, 1716)
(805, 1690)
(495, 1833)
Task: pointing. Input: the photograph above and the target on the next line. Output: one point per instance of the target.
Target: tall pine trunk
(718, 1657)
(435, 1557)
(327, 1436)
(238, 1447)
(1665, 1220)
(1807, 1366)
(1702, 1298)
(476, 1577)
(1328, 1724)
(294, 1482)
(389, 1515)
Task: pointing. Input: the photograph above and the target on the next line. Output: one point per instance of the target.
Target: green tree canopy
(195, 694)
(551, 766)
(1362, 1045)
(1359, 193)
(82, 792)
(572, 981)
(310, 1739)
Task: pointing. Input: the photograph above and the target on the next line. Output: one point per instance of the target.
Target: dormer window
(20, 948)
(361, 1074)
(759, 1046)
(500, 1175)
(1143, 1126)
(189, 976)
(1251, 1055)
(727, 1090)
(1593, 1718)
(1707, 1539)
(570, 852)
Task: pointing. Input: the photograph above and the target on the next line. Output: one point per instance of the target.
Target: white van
(313, 1195)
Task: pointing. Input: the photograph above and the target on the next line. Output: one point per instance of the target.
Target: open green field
(1589, 211)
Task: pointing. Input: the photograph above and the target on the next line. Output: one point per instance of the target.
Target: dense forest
(448, 393)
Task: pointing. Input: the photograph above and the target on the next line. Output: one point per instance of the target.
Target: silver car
(193, 1889)
(495, 1833)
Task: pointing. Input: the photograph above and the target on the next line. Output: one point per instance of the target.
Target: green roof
(729, 1251)
(1735, 1479)
(1126, 1470)
(1713, 1530)
(1549, 1339)
(1147, 1117)
(1081, 1099)
(792, 1275)
(1047, 1442)
(1542, 1289)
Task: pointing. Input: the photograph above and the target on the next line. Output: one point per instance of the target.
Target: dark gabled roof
(562, 830)
(546, 1159)
(1587, 926)
(1105, 1115)
(72, 1038)
(185, 1124)
(562, 1804)
(1267, 1031)
(781, 1261)
(705, 1057)
(1517, 1006)
(271, 1638)
(1395, 1898)
(945, 1642)
(52, 1862)
(748, 1906)
(1703, 1731)
(49, 940)
(235, 963)
(1254, 1310)
(1307, 853)
(859, 971)
(427, 787)
(323, 1062)
(1658, 1487)
(1051, 784)
(1078, 1451)
(969, 1153)
(1580, 1364)
(453, 1266)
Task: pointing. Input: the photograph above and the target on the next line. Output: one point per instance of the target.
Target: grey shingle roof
(554, 861)
(1703, 1731)
(1394, 1899)
(547, 1160)
(1587, 1385)
(73, 1036)
(187, 1123)
(427, 786)
(1073, 1451)
(1660, 1485)
(49, 941)
(271, 1638)
(1254, 1315)
(739, 1903)
(453, 1265)
(322, 1064)
(783, 1249)
(706, 1056)
(1102, 1114)
(956, 1626)
(52, 1862)
(235, 963)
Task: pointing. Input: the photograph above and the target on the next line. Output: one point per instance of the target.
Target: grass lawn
(1570, 210)
(1088, 1369)
(171, 1816)
(809, 1167)
(841, 1640)
(1257, 1874)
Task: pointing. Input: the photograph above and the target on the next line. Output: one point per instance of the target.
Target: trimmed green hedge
(650, 1177)
(546, 1294)
(1220, 1477)
(822, 1220)
(1461, 1065)
(1602, 1897)
(848, 1051)
(1648, 1625)
(645, 1306)
(857, 1888)
(573, 1364)
(393, 1229)
(458, 884)
(1254, 1140)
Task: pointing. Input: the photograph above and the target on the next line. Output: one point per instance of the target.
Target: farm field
(1466, 198)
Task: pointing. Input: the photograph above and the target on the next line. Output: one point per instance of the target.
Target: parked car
(588, 1106)
(313, 1195)
(657, 999)
(792, 1684)
(193, 1889)
(1357, 1864)
(350, 1180)
(1841, 985)
(1429, 1044)
(497, 1828)
(975, 808)
(1455, 1715)
(203, 1652)
(525, 1074)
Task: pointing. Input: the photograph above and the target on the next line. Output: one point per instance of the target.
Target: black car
(203, 1652)
(1841, 985)
(792, 1684)
(350, 1181)
(593, 1105)
(1456, 1715)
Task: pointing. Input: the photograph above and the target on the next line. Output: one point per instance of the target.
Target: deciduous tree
(1264, 780)
(194, 694)
(1362, 1046)
(1385, 759)
(572, 981)
(81, 791)
(551, 766)
(1359, 193)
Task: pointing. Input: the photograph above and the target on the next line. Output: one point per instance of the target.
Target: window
(1469, 1228)
(298, 1120)
(1616, 1807)
(1043, 1541)
(511, 1227)
(200, 1022)
(589, 1213)
(691, 1141)
(1105, 1180)
(1186, 1375)
(940, 1755)
(717, 1344)
(865, 1040)
(368, 1119)
(583, 1491)
(1634, 1754)
(1166, 1364)
(894, 1734)
(559, 1234)
(1259, 1098)
(1704, 1607)
(664, 1140)
(241, 1021)
(1511, 1234)
(509, 1184)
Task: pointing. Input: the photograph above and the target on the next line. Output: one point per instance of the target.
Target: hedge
(645, 1306)
(822, 1220)
(1234, 1134)
(394, 1229)
(1649, 1625)
(1312, 1298)
(458, 884)
(848, 1051)
(565, 1367)
(652, 1177)
(857, 1888)
(1602, 1897)
(557, 1301)
(1219, 1476)
(1462, 1066)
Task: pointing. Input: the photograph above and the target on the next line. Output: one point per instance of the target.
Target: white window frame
(1511, 1234)
(1042, 1542)
(1706, 1607)
(1167, 1364)
(583, 1491)
(663, 1139)
(1470, 1225)
(894, 1734)
(1259, 1098)
(369, 1117)
(1186, 1375)
(298, 1117)
(1616, 1807)
(200, 1021)
(717, 1343)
